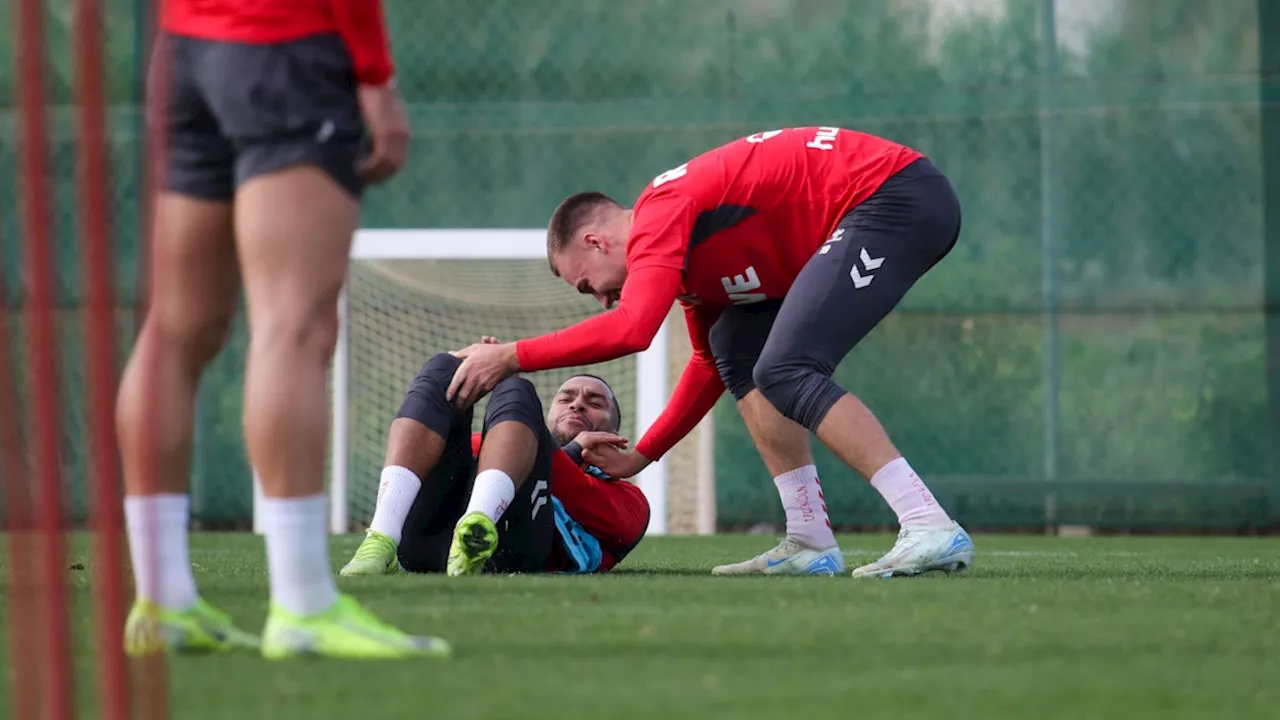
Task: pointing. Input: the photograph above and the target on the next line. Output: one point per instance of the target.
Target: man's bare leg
(854, 434)
(294, 229)
(784, 446)
(810, 546)
(194, 286)
(929, 539)
(506, 459)
(413, 452)
(412, 445)
(508, 453)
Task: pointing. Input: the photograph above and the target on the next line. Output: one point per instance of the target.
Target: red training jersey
(359, 23)
(734, 225)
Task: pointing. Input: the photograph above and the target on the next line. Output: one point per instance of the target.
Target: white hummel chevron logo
(837, 236)
(859, 280)
(539, 496)
(869, 262)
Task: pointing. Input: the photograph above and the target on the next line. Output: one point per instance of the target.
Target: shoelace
(785, 545)
(903, 533)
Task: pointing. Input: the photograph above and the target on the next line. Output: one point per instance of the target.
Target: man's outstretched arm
(655, 272)
(647, 297)
(655, 257)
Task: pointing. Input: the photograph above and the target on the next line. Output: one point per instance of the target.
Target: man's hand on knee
(484, 365)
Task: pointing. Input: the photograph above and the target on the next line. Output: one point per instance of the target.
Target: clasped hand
(608, 452)
(484, 365)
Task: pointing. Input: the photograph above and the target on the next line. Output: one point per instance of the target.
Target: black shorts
(232, 111)
(879, 250)
(526, 531)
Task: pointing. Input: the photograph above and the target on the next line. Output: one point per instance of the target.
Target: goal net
(414, 293)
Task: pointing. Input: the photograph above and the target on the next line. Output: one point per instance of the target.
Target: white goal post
(469, 249)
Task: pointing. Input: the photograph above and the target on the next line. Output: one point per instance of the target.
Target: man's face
(595, 262)
(581, 404)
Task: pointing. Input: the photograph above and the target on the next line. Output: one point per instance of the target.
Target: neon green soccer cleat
(202, 628)
(375, 556)
(346, 630)
(474, 540)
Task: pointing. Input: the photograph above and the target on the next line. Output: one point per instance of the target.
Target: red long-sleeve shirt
(734, 225)
(360, 23)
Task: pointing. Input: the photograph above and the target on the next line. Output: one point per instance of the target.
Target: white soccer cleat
(790, 557)
(920, 549)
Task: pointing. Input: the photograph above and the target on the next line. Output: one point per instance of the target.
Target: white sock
(157, 526)
(492, 494)
(908, 496)
(298, 554)
(807, 519)
(396, 491)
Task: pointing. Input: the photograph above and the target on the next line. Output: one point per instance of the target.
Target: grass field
(1041, 627)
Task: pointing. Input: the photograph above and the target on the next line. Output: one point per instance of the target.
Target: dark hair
(573, 212)
(616, 409)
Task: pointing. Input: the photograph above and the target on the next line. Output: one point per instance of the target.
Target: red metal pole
(24, 639)
(100, 374)
(38, 270)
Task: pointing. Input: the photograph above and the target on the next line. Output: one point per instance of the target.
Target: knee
(802, 391)
(776, 379)
(306, 331)
(198, 337)
(438, 370)
(514, 398)
(511, 394)
(425, 401)
(517, 388)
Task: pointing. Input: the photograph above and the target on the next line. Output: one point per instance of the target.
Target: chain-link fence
(1093, 351)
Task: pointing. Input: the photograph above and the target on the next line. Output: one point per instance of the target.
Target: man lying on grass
(514, 498)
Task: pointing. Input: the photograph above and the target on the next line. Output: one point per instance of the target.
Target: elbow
(637, 339)
(633, 345)
(637, 327)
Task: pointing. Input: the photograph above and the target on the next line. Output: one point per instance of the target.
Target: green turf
(1042, 627)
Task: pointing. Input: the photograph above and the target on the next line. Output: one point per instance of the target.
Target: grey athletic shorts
(232, 111)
